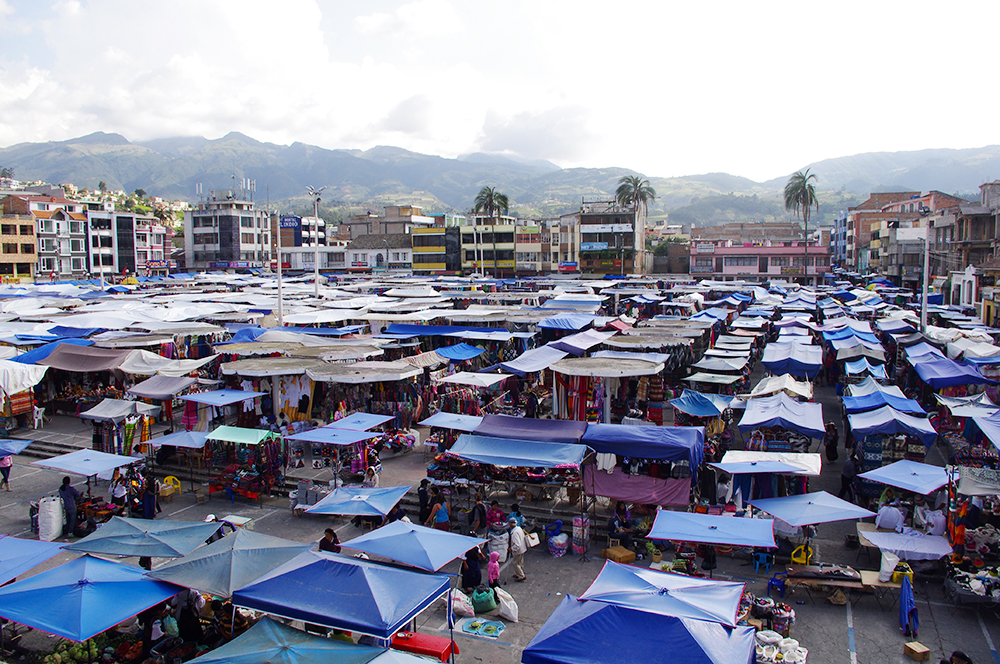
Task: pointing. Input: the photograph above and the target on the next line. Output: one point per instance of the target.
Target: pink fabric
(640, 489)
(6, 462)
(493, 567)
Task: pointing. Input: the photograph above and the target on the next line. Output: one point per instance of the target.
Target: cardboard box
(756, 623)
(917, 651)
(619, 554)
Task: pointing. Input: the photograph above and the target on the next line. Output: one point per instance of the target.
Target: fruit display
(98, 650)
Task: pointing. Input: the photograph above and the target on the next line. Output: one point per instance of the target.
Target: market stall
(779, 424)
(587, 388)
(254, 461)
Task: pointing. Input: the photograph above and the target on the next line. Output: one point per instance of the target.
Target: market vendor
(495, 516)
(620, 526)
(890, 517)
(118, 488)
(69, 496)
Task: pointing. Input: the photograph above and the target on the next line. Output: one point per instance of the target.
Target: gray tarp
(161, 387)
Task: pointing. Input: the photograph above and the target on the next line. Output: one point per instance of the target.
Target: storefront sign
(593, 246)
(791, 270)
(527, 229)
(613, 228)
(284, 266)
(157, 264)
(705, 248)
(234, 265)
(701, 269)
(567, 266)
(290, 222)
(500, 264)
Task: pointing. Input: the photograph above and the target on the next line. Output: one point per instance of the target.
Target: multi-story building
(18, 251)
(488, 245)
(863, 241)
(225, 232)
(609, 242)
(299, 231)
(838, 240)
(369, 253)
(61, 231)
(397, 219)
(437, 250)
(725, 260)
(126, 242)
(528, 249)
(303, 259)
(900, 253)
(561, 243)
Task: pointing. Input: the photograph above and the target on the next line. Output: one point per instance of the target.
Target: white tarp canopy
(320, 316)
(16, 377)
(474, 379)
(145, 363)
(972, 348)
(869, 385)
(808, 463)
(364, 372)
(783, 383)
(116, 410)
(162, 387)
(603, 367)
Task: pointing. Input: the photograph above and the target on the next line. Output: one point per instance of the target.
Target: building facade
(126, 242)
(609, 243)
(396, 219)
(561, 244)
(437, 250)
(725, 260)
(18, 248)
(60, 229)
(224, 232)
(488, 245)
(380, 253)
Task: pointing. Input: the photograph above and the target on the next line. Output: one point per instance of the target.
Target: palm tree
(800, 197)
(637, 193)
(492, 203)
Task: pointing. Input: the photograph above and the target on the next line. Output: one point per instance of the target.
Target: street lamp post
(315, 196)
(925, 212)
(386, 243)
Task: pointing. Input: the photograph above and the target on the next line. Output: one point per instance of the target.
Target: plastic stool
(802, 555)
(777, 582)
(764, 560)
(553, 529)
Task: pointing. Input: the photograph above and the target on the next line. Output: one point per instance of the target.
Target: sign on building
(705, 248)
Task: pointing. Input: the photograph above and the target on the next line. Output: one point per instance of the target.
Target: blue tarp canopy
(894, 326)
(536, 359)
(42, 352)
(82, 598)
(271, 642)
(666, 594)
(123, 536)
(467, 423)
(791, 358)
(567, 322)
(920, 478)
(360, 422)
(664, 443)
(360, 501)
(236, 560)
(861, 365)
(878, 399)
(549, 431)
(459, 352)
(334, 436)
(712, 529)
(887, 420)
(17, 556)
(595, 632)
(221, 397)
(427, 548)
(9, 446)
(518, 453)
(354, 595)
(780, 410)
(939, 372)
(701, 405)
(807, 509)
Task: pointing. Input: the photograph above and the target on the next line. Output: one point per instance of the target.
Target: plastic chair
(777, 582)
(173, 481)
(765, 560)
(802, 555)
(553, 529)
(39, 417)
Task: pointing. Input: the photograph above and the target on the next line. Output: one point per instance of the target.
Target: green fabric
(240, 435)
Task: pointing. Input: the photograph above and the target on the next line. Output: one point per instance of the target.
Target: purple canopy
(546, 431)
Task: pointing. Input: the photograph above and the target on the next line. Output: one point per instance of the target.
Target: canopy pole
(607, 399)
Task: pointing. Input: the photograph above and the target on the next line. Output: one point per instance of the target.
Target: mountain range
(357, 180)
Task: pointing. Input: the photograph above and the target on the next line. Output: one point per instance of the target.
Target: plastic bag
(483, 600)
(508, 607)
(499, 543)
(461, 605)
(889, 562)
(170, 626)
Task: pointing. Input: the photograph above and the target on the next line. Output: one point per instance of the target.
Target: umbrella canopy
(10, 446)
(360, 501)
(467, 423)
(781, 411)
(355, 595)
(666, 594)
(361, 421)
(334, 436)
(236, 560)
(274, 643)
(805, 463)
(86, 462)
(17, 556)
(81, 598)
(910, 475)
(712, 529)
(123, 536)
(221, 397)
(426, 548)
(194, 440)
(474, 379)
(596, 632)
(811, 508)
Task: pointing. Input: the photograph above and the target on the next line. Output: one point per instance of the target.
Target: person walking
(69, 497)
(518, 547)
(424, 498)
(5, 465)
(847, 476)
(830, 440)
(439, 512)
(477, 517)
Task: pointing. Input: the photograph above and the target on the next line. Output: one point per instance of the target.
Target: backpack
(478, 513)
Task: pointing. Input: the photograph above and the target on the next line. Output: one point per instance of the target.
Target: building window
(26, 230)
(48, 264)
(780, 261)
(47, 244)
(10, 247)
(247, 238)
(741, 261)
(27, 248)
(157, 255)
(48, 226)
(76, 245)
(76, 227)
(77, 264)
(8, 229)
(141, 256)
(703, 262)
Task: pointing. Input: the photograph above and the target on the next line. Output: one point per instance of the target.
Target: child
(493, 570)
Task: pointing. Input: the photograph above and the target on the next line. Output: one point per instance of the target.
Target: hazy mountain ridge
(366, 179)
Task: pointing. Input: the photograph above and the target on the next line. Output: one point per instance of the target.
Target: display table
(810, 577)
(907, 547)
(960, 595)
(437, 647)
(869, 578)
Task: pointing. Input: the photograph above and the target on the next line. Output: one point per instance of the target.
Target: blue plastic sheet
(123, 536)
(334, 436)
(811, 508)
(221, 397)
(939, 372)
(360, 501)
(701, 405)
(459, 352)
(455, 421)
(782, 411)
(878, 399)
(913, 476)
(360, 422)
(42, 352)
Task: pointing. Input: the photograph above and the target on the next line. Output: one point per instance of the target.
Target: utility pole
(924, 212)
(315, 196)
(281, 305)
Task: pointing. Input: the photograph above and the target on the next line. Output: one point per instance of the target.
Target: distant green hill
(366, 180)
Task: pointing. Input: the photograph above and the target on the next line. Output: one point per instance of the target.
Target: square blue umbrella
(360, 501)
(124, 536)
(17, 556)
(360, 422)
(811, 508)
(419, 546)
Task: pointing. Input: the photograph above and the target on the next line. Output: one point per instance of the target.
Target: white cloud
(415, 21)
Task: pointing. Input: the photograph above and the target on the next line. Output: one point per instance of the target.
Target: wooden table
(424, 644)
(869, 578)
(795, 580)
(866, 545)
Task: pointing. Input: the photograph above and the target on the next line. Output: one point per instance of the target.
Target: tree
(492, 203)
(6, 172)
(800, 198)
(103, 187)
(140, 194)
(637, 193)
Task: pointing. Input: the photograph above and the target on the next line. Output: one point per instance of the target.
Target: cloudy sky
(667, 88)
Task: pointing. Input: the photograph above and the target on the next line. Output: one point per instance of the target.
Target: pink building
(725, 260)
